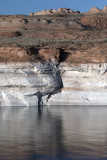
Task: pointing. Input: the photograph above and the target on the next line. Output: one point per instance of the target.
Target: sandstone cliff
(53, 59)
(93, 10)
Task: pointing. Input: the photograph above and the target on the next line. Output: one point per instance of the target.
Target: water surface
(54, 133)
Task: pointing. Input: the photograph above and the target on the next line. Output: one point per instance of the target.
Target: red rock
(94, 10)
(10, 34)
(104, 9)
(31, 14)
(48, 54)
(52, 11)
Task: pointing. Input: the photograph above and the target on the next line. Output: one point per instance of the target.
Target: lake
(53, 133)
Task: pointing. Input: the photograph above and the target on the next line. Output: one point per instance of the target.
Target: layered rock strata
(24, 79)
(54, 11)
(93, 10)
(83, 84)
(28, 84)
(105, 9)
(30, 77)
(53, 60)
(96, 10)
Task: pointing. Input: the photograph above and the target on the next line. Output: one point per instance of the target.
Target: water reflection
(56, 132)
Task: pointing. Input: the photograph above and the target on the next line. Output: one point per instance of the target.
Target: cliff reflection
(29, 131)
(58, 132)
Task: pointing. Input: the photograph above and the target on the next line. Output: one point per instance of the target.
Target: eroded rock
(50, 54)
(104, 9)
(97, 22)
(55, 11)
(83, 84)
(31, 14)
(94, 10)
(58, 59)
(26, 83)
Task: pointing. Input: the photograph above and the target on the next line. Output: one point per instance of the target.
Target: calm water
(54, 133)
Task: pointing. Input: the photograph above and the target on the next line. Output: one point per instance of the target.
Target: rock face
(26, 81)
(97, 22)
(49, 54)
(31, 77)
(94, 10)
(28, 84)
(49, 60)
(12, 24)
(83, 84)
(33, 84)
(55, 11)
(104, 9)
